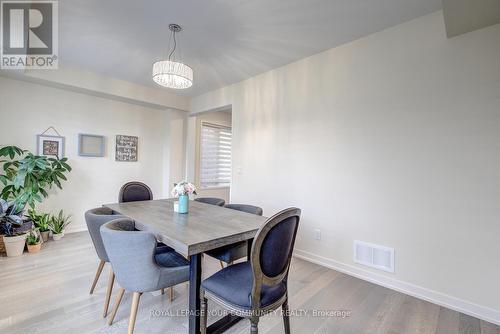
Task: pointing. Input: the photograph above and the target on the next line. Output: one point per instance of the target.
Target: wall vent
(375, 256)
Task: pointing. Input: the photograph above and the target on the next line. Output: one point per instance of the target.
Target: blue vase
(183, 203)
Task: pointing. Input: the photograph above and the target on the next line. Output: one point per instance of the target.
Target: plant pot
(2, 245)
(35, 248)
(45, 236)
(57, 236)
(14, 246)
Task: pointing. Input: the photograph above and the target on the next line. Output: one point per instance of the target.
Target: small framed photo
(50, 146)
(91, 145)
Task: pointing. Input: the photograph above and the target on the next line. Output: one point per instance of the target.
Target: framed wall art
(91, 145)
(50, 146)
(126, 148)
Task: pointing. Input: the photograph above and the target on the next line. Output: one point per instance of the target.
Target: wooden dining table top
(203, 228)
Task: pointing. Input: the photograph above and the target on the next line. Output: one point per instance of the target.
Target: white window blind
(215, 166)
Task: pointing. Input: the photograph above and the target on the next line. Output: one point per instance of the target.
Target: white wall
(28, 109)
(392, 139)
(193, 152)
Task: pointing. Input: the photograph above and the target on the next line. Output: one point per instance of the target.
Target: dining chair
(211, 200)
(134, 191)
(229, 254)
(95, 218)
(256, 287)
(138, 268)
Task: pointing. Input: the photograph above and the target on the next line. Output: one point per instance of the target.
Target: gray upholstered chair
(258, 286)
(211, 200)
(137, 191)
(134, 191)
(137, 266)
(231, 253)
(95, 218)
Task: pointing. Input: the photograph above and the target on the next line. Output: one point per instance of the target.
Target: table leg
(194, 293)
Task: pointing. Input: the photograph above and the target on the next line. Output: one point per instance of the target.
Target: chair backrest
(255, 210)
(95, 218)
(272, 251)
(211, 200)
(134, 191)
(131, 254)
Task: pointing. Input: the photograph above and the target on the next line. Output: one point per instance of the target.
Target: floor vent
(375, 256)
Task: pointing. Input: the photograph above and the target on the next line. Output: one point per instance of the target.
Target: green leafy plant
(41, 220)
(33, 238)
(27, 177)
(59, 222)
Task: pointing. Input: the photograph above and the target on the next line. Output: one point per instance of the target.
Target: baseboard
(463, 306)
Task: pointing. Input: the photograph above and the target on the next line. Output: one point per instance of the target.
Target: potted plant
(33, 241)
(24, 180)
(182, 190)
(13, 229)
(41, 221)
(58, 225)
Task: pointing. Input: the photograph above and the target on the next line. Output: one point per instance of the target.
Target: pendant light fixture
(172, 74)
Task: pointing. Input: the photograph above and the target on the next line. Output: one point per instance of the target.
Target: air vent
(375, 256)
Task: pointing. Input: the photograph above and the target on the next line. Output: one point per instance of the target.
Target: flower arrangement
(183, 188)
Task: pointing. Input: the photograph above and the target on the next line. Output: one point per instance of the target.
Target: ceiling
(224, 41)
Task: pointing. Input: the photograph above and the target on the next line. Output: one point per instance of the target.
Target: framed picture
(91, 145)
(50, 146)
(126, 148)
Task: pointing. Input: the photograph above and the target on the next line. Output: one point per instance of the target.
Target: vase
(183, 204)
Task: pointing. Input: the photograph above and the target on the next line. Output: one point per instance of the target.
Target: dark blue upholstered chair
(134, 191)
(258, 286)
(211, 200)
(137, 265)
(231, 253)
(95, 218)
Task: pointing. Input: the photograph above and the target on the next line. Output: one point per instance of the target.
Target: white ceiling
(225, 41)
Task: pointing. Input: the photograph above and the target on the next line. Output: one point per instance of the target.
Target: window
(215, 161)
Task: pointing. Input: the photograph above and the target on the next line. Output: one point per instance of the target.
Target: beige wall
(31, 108)
(391, 139)
(194, 153)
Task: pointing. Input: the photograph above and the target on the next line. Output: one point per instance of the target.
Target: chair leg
(111, 281)
(203, 313)
(133, 312)
(254, 325)
(97, 275)
(221, 264)
(286, 316)
(117, 304)
(171, 293)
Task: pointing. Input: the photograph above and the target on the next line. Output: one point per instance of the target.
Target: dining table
(203, 228)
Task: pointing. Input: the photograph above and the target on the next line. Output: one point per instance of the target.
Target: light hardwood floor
(49, 293)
